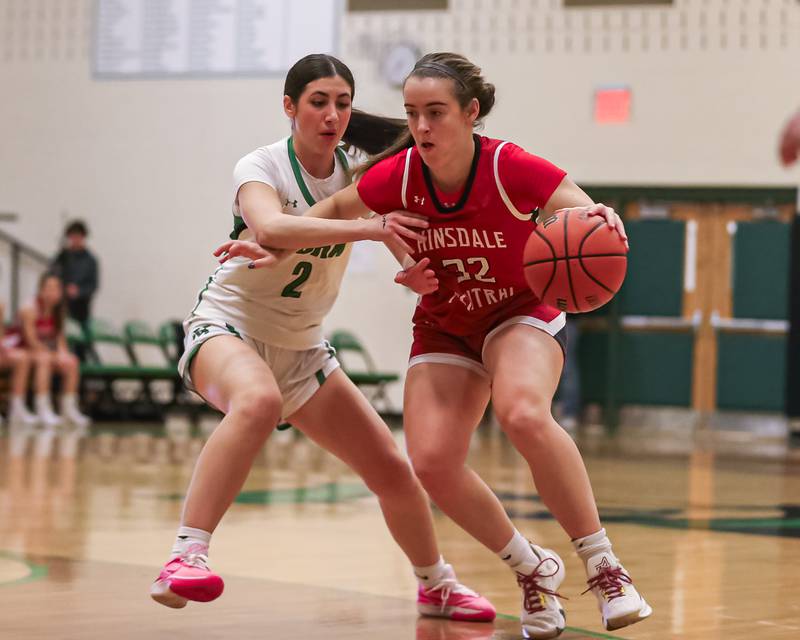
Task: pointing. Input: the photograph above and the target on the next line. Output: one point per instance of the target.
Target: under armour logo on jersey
(419, 200)
(290, 202)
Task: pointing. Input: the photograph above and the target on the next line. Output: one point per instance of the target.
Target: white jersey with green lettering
(282, 305)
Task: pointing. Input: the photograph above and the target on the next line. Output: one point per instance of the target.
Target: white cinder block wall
(148, 162)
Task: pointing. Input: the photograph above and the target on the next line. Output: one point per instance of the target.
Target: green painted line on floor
(37, 571)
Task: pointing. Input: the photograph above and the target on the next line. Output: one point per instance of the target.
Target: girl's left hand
(258, 255)
(612, 218)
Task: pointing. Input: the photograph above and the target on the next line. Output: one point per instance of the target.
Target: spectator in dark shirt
(78, 270)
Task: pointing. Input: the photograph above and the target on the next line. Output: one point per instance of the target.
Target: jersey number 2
(302, 270)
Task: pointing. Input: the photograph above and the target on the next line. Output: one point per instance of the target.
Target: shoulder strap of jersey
(506, 200)
(405, 178)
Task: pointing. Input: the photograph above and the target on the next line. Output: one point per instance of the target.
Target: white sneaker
(21, 416)
(76, 418)
(542, 614)
(619, 602)
(48, 419)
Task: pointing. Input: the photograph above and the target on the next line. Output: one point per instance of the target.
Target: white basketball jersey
(282, 305)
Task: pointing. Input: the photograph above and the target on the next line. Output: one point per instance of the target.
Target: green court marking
(37, 571)
(591, 634)
(328, 493)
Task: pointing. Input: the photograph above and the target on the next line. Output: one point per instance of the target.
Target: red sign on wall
(612, 105)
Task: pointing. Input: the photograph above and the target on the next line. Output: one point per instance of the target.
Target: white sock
(592, 545)
(517, 550)
(188, 537)
(18, 405)
(69, 402)
(43, 404)
(429, 576)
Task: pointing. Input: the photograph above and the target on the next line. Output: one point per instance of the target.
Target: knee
(19, 358)
(394, 478)
(433, 469)
(43, 359)
(257, 410)
(67, 362)
(525, 418)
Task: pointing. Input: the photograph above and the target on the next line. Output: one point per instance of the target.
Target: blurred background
(131, 114)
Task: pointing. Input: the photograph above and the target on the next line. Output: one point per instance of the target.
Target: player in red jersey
(483, 335)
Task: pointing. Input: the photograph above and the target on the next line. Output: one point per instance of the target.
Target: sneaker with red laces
(619, 601)
(448, 598)
(186, 577)
(542, 614)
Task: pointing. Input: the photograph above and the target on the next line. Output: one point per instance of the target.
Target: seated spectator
(42, 328)
(18, 360)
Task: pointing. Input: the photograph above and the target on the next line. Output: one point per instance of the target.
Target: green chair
(147, 348)
(169, 343)
(157, 368)
(360, 368)
(74, 334)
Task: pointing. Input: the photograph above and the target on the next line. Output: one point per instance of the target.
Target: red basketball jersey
(476, 238)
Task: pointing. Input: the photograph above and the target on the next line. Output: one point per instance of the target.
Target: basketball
(574, 261)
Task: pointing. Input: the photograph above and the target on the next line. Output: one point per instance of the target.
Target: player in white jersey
(255, 350)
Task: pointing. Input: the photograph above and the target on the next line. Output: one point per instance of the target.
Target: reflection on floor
(706, 519)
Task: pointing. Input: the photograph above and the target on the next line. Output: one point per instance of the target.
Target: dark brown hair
(365, 131)
(59, 311)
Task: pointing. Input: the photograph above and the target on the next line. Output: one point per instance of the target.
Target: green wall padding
(761, 270)
(751, 372)
(654, 281)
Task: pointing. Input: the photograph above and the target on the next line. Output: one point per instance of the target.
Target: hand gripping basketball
(576, 261)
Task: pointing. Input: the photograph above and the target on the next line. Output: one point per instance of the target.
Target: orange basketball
(575, 262)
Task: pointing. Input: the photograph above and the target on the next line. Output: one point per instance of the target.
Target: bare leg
(443, 405)
(522, 396)
(359, 437)
(231, 376)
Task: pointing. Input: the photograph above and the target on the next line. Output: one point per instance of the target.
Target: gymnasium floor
(708, 523)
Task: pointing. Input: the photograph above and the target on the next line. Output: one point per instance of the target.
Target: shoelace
(445, 587)
(449, 586)
(532, 590)
(610, 582)
(196, 556)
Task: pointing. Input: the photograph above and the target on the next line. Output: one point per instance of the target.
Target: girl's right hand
(395, 226)
(258, 255)
(419, 278)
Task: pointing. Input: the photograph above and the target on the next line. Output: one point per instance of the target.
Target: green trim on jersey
(298, 174)
(240, 225)
(232, 329)
(204, 289)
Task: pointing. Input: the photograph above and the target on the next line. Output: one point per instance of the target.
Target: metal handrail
(662, 322)
(749, 325)
(19, 249)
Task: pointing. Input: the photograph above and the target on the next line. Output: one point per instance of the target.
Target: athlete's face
(322, 113)
(439, 124)
(51, 291)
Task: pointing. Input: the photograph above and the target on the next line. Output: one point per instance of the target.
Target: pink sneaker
(451, 599)
(186, 577)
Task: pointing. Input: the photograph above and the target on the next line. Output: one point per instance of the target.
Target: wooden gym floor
(708, 523)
